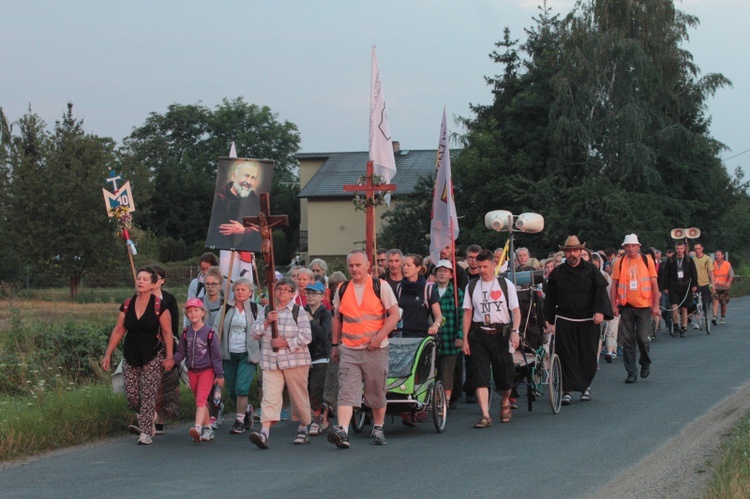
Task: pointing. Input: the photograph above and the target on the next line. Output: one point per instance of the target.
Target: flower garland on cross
(361, 201)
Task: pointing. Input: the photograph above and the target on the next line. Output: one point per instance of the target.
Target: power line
(739, 154)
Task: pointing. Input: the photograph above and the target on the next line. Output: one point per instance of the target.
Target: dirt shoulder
(683, 466)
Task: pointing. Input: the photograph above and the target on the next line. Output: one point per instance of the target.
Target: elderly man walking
(635, 294)
(366, 312)
(575, 305)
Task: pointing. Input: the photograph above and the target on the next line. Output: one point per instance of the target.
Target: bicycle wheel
(358, 420)
(555, 383)
(707, 316)
(439, 406)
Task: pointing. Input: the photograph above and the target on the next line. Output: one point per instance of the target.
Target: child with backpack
(203, 361)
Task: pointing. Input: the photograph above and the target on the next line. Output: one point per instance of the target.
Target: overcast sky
(308, 60)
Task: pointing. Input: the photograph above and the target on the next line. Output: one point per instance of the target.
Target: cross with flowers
(370, 185)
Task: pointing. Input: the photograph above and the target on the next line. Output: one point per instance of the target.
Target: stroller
(412, 384)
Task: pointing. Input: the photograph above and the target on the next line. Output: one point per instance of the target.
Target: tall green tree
(176, 153)
(598, 122)
(407, 225)
(58, 217)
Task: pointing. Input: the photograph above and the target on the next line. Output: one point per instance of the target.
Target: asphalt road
(575, 453)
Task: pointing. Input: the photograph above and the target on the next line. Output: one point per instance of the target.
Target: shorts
(721, 295)
(358, 367)
(490, 357)
(238, 374)
(678, 297)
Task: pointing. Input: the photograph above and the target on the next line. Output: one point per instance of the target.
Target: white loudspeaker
(693, 233)
(677, 233)
(498, 219)
(530, 223)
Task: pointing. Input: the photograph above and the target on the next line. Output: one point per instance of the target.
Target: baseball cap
(194, 302)
(316, 287)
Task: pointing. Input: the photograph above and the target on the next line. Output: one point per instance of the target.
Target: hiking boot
(207, 434)
(259, 439)
(378, 437)
(338, 437)
(238, 427)
(145, 439)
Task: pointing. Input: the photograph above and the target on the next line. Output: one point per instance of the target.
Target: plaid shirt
(451, 329)
(298, 335)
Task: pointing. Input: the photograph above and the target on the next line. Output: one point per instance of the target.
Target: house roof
(341, 168)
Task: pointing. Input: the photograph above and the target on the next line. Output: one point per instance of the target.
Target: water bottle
(217, 395)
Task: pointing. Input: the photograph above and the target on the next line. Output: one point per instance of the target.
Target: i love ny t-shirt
(489, 301)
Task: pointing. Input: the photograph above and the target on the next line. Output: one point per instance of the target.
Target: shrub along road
(646, 427)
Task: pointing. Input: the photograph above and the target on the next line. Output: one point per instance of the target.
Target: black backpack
(503, 286)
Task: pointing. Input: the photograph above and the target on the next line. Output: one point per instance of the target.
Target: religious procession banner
(239, 182)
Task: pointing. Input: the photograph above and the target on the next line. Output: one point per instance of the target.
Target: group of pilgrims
(596, 304)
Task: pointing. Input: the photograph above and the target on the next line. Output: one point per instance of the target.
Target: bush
(172, 250)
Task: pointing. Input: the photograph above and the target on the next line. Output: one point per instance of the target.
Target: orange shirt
(634, 282)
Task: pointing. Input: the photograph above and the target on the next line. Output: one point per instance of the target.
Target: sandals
(505, 414)
(485, 422)
(586, 395)
(567, 398)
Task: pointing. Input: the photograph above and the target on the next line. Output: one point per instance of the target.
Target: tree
(602, 128)
(176, 155)
(408, 223)
(58, 217)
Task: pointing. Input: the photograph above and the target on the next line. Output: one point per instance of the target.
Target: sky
(307, 60)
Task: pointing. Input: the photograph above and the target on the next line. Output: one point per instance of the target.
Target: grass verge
(732, 473)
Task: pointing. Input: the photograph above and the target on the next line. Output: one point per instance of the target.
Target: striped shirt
(298, 335)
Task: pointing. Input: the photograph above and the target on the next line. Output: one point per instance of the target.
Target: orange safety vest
(721, 274)
(642, 297)
(360, 322)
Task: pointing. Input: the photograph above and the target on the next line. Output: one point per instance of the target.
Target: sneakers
(159, 428)
(135, 430)
(259, 439)
(408, 420)
(722, 321)
(238, 427)
(195, 433)
(256, 415)
(324, 425)
(248, 422)
(338, 437)
(145, 439)
(378, 437)
(713, 321)
(632, 378)
(645, 371)
(514, 401)
(284, 414)
(608, 357)
(207, 434)
(301, 438)
(214, 423)
(696, 325)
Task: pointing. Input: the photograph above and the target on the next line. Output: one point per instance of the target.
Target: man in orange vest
(723, 277)
(366, 312)
(635, 294)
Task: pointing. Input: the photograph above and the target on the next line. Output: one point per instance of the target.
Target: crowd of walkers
(322, 349)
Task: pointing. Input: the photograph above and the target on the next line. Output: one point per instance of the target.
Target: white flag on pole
(381, 146)
(444, 223)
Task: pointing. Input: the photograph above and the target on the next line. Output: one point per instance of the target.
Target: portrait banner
(239, 182)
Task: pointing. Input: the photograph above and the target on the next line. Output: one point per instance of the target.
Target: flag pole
(455, 276)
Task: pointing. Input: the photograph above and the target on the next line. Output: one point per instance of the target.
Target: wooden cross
(370, 189)
(264, 222)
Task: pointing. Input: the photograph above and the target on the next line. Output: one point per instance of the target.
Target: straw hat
(572, 243)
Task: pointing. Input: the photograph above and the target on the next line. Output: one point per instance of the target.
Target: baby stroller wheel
(358, 420)
(439, 406)
(555, 383)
